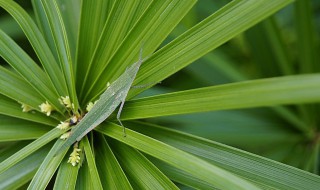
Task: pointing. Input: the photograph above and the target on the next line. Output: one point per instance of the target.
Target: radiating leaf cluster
(81, 46)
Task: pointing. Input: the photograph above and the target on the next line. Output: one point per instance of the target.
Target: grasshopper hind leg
(118, 118)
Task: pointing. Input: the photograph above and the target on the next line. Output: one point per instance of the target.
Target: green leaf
(307, 34)
(141, 7)
(29, 149)
(269, 50)
(255, 93)
(180, 176)
(242, 128)
(216, 61)
(67, 175)
(262, 171)
(48, 168)
(59, 34)
(7, 149)
(113, 34)
(17, 88)
(38, 43)
(193, 165)
(95, 179)
(84, 180)
(141, 172)
(28, 69)
(22, 130)
(204, 37)
(10, 27)
(151, 29)
(93, 17)
(23, 171)
(11, 108)
(70, 13)
(108, 167)
(44, 27)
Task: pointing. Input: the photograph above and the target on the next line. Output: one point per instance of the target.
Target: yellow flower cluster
(25, 107)
(90, 106)
(65, 135)
(63, 125)
(66, 102)
(74, 158)
(46, 108)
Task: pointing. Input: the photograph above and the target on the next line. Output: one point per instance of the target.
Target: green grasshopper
(115, 95)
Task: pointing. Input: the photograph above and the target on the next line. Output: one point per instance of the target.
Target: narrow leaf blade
(151, 29)
(262, 171)
(38, 43)
(191, 164)
(11, 108)
(29, 149)
(204, 37)
(47, 169)
(255, 93)
(22, 172)
(16, 130)
(109, 169)
(95, 179)
(67, 176)
(59, 34)
(142, 173)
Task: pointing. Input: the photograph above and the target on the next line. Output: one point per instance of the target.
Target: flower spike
(46, 108)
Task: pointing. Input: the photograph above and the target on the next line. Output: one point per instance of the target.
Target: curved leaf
(29, 149)
(95, 179)
(109, 167)
(28, 69)
(70, 14)
(48, 168)
(44, 27)
(17, 88)
(16, 130)
(11, 108)
(23, 171)
(84, 180)
(112, 35)
(262, 171)
(38, 43)
(193, 165)
(66, 176)
(141, 172)
(150, 30)
(263, 92)
(59, 34)
(93, 18)
(204, 37)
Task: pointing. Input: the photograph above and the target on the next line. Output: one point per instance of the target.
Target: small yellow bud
(46, 108)
(25, 107)
(63, 125)
(66, 101)
(74, 158)
(90, 106)
(65, 135)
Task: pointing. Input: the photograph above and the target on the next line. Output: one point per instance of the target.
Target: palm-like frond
(84, 45)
